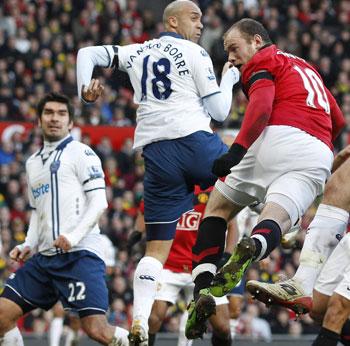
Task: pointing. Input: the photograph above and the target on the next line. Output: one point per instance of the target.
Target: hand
(222, 166)
(93, 91)
(20, 254)
(228, 67)
(62, 243)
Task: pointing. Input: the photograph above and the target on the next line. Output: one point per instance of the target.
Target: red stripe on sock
(262, 231)
(210, 251)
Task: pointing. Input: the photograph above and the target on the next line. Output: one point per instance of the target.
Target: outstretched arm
(87, 59)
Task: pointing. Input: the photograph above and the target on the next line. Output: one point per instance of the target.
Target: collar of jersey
(172, 34)
(60, 146)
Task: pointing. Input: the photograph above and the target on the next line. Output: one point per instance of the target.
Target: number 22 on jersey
(161, 84)
(314, 87)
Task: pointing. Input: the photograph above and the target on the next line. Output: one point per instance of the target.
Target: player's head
(55, 116)
(243, 39)
(184, 18)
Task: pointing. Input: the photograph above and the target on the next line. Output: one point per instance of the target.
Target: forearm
(32, 236)
(219, 105)
(257, 115)
(96, 204)
(88, 58)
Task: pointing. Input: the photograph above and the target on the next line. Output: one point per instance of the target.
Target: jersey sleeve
(124, 54)
(203, 73)
(31, 199)
(89, 170)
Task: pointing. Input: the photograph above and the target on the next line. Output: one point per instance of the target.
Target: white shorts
(284, 165)
(170, 284)
(335, 275)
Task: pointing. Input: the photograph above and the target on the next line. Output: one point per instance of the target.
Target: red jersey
(301, 100)
(180, 256)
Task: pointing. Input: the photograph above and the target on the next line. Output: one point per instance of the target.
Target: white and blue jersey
(57, 190)
(58, 183)
(170, 77)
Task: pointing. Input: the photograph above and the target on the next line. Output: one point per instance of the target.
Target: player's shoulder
(78, 148)
(34, 157)
(264, 61)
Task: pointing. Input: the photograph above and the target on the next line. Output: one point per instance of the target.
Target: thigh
(31, 286)
(167, 195)
(79, 277)
(294, 192)
(220, 205)
(337, 190)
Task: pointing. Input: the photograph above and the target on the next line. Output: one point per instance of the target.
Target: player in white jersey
(66, 191)
(177, 92)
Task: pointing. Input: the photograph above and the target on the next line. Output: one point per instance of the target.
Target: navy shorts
(172, 169)
(77, 279)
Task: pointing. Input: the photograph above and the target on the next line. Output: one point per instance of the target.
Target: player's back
(301, 98)
(168, 86)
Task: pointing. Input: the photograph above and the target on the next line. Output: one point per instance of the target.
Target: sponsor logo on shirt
(40, 190)
(189, 221)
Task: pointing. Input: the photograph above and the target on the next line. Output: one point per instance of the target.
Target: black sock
(271, 233)
(217, 341)
(345, 334)
(151, 339)
(202, 280)
(209, 248)
(326, 338)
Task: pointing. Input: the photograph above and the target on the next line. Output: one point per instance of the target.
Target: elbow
(220, 116)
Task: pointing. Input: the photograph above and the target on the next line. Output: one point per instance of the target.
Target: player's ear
(70, 125)
(258, 41)
(173, 22)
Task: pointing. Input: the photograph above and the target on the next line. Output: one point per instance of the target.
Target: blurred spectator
(38, 45)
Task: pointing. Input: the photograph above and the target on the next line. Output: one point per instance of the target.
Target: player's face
(239, 50)
(189, 23)
(54, 121)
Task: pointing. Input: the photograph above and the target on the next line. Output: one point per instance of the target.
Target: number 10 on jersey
(161, 84)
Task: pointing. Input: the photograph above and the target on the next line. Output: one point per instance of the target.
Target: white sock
(71, 336)
(120, 337)
(55, 332)
(182, 340)
(12, 338)
(321, 239)
(145, 284)
(233, 327)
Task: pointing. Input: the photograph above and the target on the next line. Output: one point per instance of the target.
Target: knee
(7, 322)
(95, 332)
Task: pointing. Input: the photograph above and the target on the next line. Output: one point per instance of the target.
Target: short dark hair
(55, 97)
(248, 28)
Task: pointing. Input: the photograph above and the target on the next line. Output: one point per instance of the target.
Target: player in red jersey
(176, 275)
(282, 156)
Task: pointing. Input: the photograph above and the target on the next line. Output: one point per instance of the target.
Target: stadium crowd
(38, 45)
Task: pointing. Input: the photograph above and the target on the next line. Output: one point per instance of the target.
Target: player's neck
(50, 145)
